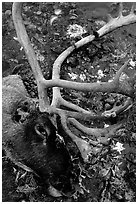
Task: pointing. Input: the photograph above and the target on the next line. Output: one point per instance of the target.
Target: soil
(111, 174)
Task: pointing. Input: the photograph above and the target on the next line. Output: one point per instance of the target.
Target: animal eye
(41, 130)
(41, 134)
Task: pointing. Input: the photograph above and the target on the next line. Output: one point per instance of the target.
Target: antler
(115, 85)
(26, 44)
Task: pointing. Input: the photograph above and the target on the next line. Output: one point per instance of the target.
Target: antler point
(132, 9)
(109, 17)
(120, 9)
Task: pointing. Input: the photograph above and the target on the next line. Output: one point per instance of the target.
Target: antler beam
(29, 51)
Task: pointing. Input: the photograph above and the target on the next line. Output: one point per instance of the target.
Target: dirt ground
(111, 176)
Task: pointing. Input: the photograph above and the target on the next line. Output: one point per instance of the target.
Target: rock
(108, 106)
(111, 101)
(8, 12)
(106, 70)
(72, 61)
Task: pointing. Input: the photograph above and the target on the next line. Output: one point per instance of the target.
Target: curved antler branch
(116, 110)
(106, 87)
(73, 106)
(96, 132)
(29, 51)
(118, 22)
(83, 146)
(113, 24)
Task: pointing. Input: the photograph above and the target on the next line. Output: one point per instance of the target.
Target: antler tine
(120, 9)
(30, 53)
(116, 78)
(107, 132)
(109, 17)
(132, 9)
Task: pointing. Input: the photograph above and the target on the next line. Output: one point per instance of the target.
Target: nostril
(25, 103)
(17, 117)
(20, 115)
(25, 109)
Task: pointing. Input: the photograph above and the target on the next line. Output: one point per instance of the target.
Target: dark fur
(22, 143)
